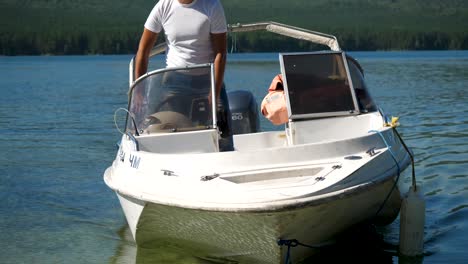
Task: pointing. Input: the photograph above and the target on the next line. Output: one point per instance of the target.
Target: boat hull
(252, 237)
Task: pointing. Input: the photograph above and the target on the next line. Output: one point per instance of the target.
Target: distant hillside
(105, 26)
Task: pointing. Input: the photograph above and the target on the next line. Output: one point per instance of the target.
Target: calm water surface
(57, 137)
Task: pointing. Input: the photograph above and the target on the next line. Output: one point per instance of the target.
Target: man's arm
(147, 41)
(220, 50)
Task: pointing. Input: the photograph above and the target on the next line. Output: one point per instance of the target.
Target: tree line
(65, 27)
(120, 42)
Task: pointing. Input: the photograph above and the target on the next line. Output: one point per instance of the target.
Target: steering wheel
(165, 121)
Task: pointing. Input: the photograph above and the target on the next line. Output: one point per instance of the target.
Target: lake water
(57, 137)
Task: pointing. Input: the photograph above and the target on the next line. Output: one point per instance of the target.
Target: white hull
(336, 164)
(241, 215)
(251, 237)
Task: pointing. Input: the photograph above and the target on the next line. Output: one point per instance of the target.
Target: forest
(65, 27)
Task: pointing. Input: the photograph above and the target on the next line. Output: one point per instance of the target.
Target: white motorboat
(336, 163)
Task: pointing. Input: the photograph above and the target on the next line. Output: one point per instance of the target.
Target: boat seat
(201, 141)
(331, 129)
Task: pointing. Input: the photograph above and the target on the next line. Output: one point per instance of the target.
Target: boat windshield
(172, 100)
(365, 101)
(320, 84)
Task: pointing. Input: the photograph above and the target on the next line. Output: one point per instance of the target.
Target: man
(195, 33)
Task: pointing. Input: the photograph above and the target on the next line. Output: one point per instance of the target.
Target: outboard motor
(244, 112)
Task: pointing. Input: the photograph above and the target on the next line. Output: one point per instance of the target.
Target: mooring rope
(398, 170)
(413, 173)
(291, 243)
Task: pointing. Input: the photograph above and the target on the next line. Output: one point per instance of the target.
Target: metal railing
(289, 31)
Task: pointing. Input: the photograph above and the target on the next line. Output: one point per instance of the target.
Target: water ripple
(59, 135)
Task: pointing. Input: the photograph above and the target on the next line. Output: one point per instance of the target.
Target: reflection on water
(128, 253)
(363, 244)
(126, 250)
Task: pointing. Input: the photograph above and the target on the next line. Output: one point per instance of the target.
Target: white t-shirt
(187, 28)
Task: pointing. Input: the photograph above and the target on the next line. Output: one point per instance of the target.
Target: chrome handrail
(289, 31)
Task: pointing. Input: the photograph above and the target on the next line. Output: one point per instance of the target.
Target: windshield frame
(344, 61)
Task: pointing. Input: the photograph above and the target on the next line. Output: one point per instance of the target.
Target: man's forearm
(141, 64)
(219, 66)
(147, 41)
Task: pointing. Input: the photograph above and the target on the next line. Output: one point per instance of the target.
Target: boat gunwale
(362, 137)
(284, 205)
